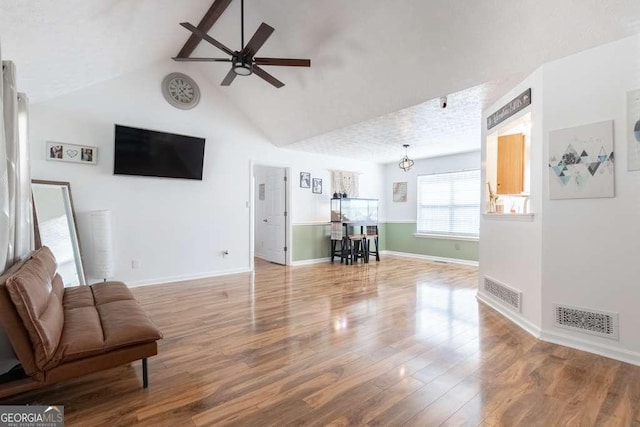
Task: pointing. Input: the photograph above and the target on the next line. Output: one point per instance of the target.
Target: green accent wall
(399, 238)
(313, 242)
(310, 241)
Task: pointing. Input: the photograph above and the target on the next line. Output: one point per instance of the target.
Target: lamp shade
(101, 262)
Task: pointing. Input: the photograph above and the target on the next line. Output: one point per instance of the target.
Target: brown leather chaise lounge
(60, 333)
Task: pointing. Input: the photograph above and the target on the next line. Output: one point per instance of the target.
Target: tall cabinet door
(511, 164)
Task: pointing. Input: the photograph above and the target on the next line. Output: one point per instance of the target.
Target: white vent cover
(586, 320)
(511, 297)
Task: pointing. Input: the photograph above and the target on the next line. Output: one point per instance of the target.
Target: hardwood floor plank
(407, 408)
(362, 413)
(395, 342)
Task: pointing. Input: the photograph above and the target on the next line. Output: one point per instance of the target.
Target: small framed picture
(400, 192)
(317, 186)
(305, 180)
(63, 152)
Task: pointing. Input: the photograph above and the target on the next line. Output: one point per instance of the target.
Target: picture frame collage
(63, 152)
(307, 182)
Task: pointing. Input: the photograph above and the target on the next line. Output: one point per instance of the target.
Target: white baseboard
(310, 261)
(516, 318)
(431, 258)
(561, 338)
(591, 347)
(182, 278)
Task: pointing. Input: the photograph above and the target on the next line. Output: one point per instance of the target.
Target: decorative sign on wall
(400, 192)
(581, 162)
(63, 152)
(345, 182)
(633, 132)
(518, 103)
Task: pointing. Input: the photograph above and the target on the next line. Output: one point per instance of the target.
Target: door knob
(265, 220)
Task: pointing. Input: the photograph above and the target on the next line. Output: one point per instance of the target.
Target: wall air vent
(586, 320)
(504, 293)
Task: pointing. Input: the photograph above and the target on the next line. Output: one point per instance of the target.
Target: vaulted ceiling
(369, 58)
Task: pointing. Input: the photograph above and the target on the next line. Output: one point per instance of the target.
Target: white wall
(392, 173)
(579, 252)
(174, 228)
(591, 247)
(510, 251)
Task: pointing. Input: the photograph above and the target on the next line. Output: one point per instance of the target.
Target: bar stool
(372, 233)
(337, 235)
(358, 247)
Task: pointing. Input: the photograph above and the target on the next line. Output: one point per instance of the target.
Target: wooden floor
(399, 342)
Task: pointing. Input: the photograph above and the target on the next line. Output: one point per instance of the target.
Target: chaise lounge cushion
(100, 318)
(36, 291)
(13, 326)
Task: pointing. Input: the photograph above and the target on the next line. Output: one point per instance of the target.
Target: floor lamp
(101, 245)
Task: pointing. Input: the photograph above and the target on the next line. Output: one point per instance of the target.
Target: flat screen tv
(151, 153)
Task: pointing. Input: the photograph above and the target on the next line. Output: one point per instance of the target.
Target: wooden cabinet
(510, 164)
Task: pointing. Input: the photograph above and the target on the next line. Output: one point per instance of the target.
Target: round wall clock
(180, 91)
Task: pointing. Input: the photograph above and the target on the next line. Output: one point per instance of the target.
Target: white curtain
(24, 238)
(16, 215)
(17, 210)
(5, 215)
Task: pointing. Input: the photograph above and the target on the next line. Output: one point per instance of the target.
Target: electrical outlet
(135, 263)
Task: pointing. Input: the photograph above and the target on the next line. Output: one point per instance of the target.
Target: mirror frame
(36, 229)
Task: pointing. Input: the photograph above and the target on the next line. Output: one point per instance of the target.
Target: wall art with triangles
(581, 162)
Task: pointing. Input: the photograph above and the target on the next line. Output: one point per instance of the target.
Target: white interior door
(274, 216)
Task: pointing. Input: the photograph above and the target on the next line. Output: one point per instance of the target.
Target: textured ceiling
(429, 129)
(369, 57)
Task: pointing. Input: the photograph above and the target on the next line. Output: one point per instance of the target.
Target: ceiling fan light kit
(243, 62)
(241, 68)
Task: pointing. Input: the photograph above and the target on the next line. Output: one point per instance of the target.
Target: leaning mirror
(55, 227)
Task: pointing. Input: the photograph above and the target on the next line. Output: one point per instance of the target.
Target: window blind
(449, 203)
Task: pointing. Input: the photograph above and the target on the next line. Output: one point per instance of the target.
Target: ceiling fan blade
(258, 39)
(207, 37)
(266, 76)
(210, 18)
(202, 59)
(228, 79)
(286, 62)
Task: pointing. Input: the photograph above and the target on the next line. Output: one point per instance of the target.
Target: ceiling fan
(243, 62)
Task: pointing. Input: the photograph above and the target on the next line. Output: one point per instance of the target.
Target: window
(449, 204)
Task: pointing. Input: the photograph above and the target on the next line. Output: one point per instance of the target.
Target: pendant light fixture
(405, 163)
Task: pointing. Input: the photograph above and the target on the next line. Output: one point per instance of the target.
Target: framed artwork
(633, 130)
(63, 152)
(400, 192)
(305, 180)
(581, 162)
(345, 182)
(317, 185)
